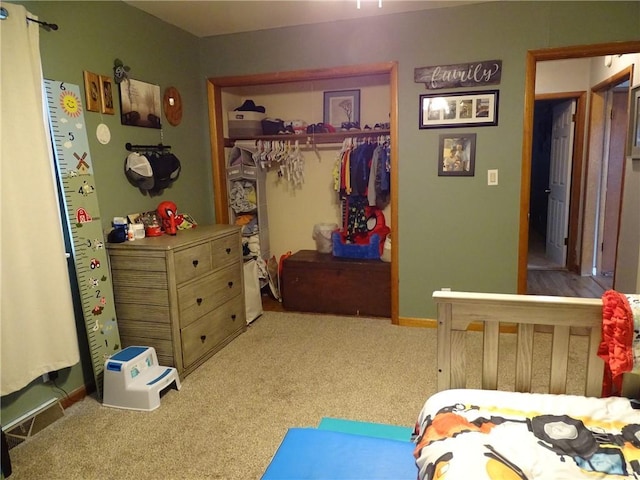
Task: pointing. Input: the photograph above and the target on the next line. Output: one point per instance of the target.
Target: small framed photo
(457, 155)
(106, 95)
(342, 108)
(140, 104)
(634, 123)
(470, 109)
(92, 91)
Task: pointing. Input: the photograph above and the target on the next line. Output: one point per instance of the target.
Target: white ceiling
(205, 18)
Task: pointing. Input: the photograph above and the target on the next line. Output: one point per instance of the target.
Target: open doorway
(551, 181)
(582, 218)
(556, 199)
(615, 98)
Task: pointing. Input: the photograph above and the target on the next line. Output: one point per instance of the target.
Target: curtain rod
(4, 13)
(46, 25)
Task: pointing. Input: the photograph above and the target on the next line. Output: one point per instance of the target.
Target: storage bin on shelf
(244, 124)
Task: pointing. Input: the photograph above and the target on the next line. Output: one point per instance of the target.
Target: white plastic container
(322, 236)
(138, 230)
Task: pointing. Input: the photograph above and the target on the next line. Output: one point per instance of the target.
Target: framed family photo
(634, 123)
(457, 155)
(459, 109)
(342, 107)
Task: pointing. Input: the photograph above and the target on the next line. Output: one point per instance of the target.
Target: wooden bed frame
(524, 314)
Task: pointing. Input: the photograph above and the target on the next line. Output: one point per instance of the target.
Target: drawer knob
(228, 250)
(203, 338)
(233, 316)
(195, 263)
(199, 300)
(230, 284)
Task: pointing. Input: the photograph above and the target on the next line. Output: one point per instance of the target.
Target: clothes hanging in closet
(362, 178)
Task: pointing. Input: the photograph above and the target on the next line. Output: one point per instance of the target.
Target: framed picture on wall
(106, 95)
(342, 108)
(140, 104)
(457, 155)
(634, 123)
(91, 91)
(459, 109)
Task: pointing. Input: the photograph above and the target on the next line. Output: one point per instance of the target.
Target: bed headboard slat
(490, 355)
(559, 359)
(524, 357)
(595, 366)
(459, 360)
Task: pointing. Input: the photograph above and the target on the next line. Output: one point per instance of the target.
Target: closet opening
(239, 88)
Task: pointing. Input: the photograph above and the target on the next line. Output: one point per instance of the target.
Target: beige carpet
(287, 370)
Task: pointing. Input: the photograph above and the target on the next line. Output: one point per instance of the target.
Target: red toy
(167, 212)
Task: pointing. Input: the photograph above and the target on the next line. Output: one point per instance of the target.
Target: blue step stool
(133, 379)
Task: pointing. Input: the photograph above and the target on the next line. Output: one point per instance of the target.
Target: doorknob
(547, 190)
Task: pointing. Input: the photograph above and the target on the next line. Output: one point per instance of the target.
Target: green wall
(453, 232)
(91, 36)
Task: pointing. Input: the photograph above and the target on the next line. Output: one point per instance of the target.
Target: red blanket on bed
(616, 345)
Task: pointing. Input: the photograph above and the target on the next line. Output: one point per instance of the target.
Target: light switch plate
(492, 177)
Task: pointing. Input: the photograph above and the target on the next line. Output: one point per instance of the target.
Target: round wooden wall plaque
(172, 105)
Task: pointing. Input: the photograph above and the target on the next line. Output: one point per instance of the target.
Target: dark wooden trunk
(321, 283)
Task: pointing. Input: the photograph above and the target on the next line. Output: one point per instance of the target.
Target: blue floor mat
(378, 430)
(310, 453)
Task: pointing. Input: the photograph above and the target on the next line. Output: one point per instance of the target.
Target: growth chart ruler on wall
(75, 171)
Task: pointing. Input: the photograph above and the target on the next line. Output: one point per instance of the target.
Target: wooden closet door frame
(216, 136)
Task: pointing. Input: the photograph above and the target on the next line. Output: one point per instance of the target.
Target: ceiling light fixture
(358, 4)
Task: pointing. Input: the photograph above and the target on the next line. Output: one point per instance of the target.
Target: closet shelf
(315, 138)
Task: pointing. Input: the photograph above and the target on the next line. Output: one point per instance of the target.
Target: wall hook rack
(159, 147)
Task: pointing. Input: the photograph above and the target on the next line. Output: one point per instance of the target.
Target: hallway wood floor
(566, 284)
(547, 278)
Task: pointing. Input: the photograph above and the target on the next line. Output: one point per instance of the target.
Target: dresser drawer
(202, 296)
(225, 250)
(192, 262)
(201, 336)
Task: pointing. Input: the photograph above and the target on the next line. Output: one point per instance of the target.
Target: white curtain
(37, 326)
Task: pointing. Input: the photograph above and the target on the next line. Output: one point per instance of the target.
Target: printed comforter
(483, 434)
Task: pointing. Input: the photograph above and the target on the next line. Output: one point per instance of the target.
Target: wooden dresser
(182, 294)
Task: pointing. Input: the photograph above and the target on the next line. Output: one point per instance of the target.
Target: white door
(560, 182)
